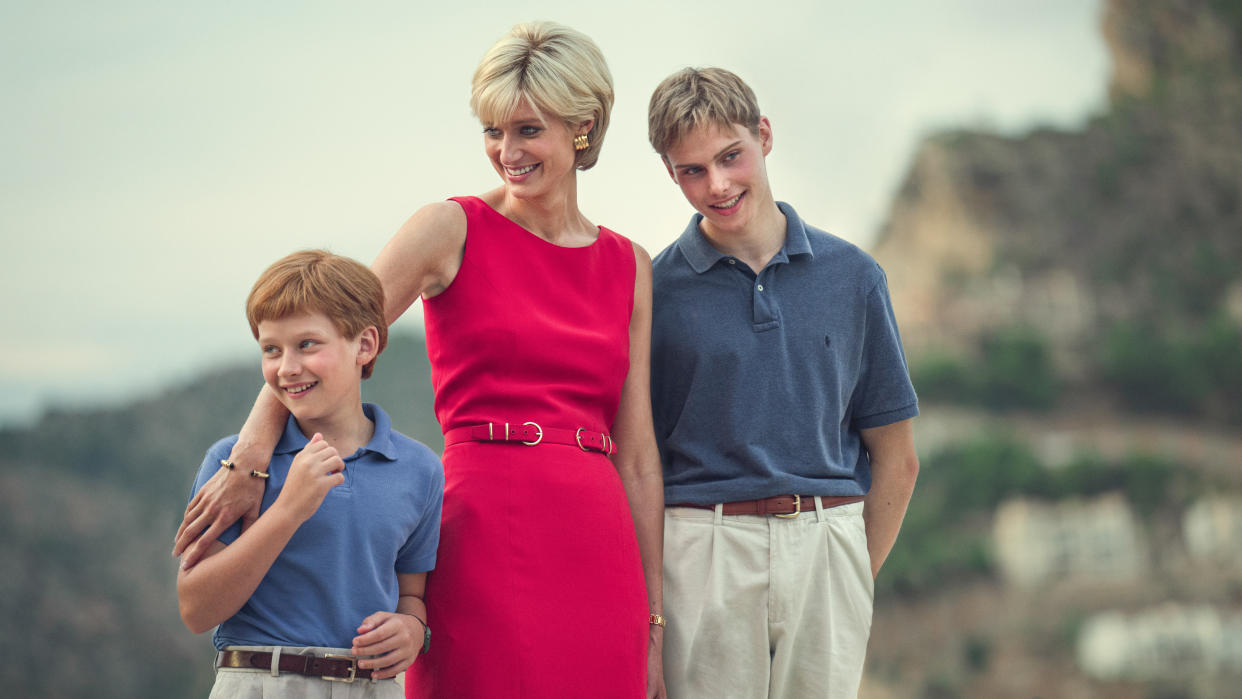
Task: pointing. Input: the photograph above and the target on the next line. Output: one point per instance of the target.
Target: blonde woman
(548, 576)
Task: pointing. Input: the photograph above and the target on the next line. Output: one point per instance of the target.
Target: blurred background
(1054, 189)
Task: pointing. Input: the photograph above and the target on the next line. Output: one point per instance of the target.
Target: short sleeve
(418, 555)
(211, 464)
(884, 394)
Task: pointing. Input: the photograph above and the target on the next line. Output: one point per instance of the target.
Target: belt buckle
(353, 668)
(603, 438)
(797, 507)
(537, 439)
(231, 659)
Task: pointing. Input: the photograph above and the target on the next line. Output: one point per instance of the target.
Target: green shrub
(983, 472)
(977, 652)
(945, 536)
(1017, 370)
(1014, 370)
(939, 376)
(1181, 370)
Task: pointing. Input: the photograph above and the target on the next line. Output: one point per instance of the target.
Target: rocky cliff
(1064, 282)
(1117, 249)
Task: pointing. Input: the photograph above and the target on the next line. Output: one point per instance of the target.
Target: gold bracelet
(253, 473)
(657, 620)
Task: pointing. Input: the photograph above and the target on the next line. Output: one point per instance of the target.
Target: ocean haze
(157, 158)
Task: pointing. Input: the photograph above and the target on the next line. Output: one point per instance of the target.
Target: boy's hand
(396, 638)
(225, 497)
(314, 471)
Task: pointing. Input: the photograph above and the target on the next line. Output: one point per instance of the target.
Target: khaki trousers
(763, 606)
(244, 683)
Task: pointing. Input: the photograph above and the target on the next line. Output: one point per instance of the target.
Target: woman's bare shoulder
(435, 219)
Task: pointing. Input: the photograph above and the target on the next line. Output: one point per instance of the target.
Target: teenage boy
(782, 410)
(328, 583)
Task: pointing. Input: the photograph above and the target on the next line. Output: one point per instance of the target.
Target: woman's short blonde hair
(694, 97)
(560, 70)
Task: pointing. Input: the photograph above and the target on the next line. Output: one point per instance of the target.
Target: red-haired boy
(327, 583)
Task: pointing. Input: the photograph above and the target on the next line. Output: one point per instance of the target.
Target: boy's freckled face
(722, 173)
(310, 366)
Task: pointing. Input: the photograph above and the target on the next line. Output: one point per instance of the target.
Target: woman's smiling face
(532, 151)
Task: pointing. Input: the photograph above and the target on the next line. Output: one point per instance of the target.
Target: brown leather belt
(336, 668)
(777, 505)
(531, 434)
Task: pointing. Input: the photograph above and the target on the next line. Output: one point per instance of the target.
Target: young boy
(328, 583)
(782, 410)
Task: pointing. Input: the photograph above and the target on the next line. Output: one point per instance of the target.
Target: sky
(155, 157)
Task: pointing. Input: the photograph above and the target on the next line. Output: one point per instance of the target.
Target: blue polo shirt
(761, 383)
(341, 565)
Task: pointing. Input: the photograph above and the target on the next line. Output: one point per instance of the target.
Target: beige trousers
(762, 606)
(239, 683)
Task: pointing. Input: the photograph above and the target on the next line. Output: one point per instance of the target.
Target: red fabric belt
(779, 505)
(531, 434)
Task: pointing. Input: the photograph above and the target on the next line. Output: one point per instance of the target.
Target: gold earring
(581, 142)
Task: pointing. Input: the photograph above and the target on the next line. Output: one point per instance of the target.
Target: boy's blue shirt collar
(293, 440)
(702, 256)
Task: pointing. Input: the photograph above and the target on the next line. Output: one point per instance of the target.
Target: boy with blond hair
(782, 409)
(327, 584)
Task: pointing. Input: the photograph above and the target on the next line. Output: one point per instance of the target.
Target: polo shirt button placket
(763, 304)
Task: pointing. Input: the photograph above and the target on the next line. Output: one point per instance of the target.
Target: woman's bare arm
(638, 463)
(233, 494)
(421, 259)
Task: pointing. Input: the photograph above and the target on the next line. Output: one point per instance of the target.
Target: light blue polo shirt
(341, 565)
(760, 384)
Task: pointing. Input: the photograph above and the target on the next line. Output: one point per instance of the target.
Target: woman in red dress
(547, 580)
(538, 327)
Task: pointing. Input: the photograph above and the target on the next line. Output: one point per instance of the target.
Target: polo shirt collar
(293, 441)
(796, 242)
(702, 256)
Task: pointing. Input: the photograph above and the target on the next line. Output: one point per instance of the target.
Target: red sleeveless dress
(538, 588)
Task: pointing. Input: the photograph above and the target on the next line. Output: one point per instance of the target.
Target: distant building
(1213, 529)
(1092, 540)
(1165, 642)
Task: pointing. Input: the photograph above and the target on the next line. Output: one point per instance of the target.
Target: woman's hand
(638, 462)
(233, 494)
(229, 495)
(655, 665)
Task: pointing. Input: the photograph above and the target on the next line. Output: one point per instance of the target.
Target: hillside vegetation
(1071, 302)
(89, 503)
(1029, 271)
(1074, 300)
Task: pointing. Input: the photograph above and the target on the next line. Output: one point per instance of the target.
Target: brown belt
(777, 505)
(531, 434)
(337, 668)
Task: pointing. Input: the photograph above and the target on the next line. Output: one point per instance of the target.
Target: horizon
(159, 157)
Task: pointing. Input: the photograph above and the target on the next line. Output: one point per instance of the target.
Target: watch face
(426, 638)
